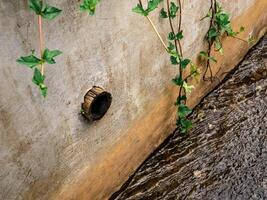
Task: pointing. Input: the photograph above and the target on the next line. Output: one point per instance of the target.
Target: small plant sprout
(175, 51)
(89, 6)
(220, 26)
(37, 64)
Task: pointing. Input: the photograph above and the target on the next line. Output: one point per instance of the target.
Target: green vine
(37, 64)
(220, 26)
(89, 6)
(175, 51)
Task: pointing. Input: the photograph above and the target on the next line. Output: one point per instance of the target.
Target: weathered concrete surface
(46, 149)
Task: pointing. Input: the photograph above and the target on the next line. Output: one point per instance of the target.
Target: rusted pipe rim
(96, 103)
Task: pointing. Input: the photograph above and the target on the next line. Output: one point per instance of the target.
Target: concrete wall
(46, 147)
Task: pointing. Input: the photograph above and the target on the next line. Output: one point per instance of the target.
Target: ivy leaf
(38, 78)
(229, 31)
(222, 18)
(179, 35)
(251, 40)
(194, 71)
(178, 80)
(43, 90)
(188, 88)
(218, 8)
(36, 6)
(174, 60)
(47, 11)
(89, 6)
(183, 110)
(186, 125)
(212, 33)
(163, 13)
(184, 63)
(173, 10)
(30, 61)
(48, 56)
(50, 12)
(171, 36)
(218, 45)
(140, 10)
(152, 5)
(171, 46)
(180, 99)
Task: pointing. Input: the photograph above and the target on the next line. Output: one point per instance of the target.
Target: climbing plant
(220, 26)
(89, 6)
(175, 51)
(37, 64)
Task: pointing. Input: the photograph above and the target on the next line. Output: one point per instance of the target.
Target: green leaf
(173, 10)
(89, 6)
(46, 11)
(180, 99)
(50, 12)
(174, 60)
(251, 40)
(178, 80)
(179, 35)
(43, 90)
(171, 36)
(218, 45)
(38, 78)
(212, 33)
(48, 56)
(140, 10)
(184, 63)
(222, 18)
(30, 61)
(36, 6)
(171, 46)
(186, 125)
(194, 71)
(163, 13)
(152, 5)
(188, 88)
(203, 54)
(183, 110)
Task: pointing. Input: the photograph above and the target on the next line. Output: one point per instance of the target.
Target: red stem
(41, 41)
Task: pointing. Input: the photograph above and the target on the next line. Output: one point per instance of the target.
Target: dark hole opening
(100, 105)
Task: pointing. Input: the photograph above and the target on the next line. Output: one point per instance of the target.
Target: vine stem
(179, 25)
(210, 43)
(155, 30)
(171, 25)
(177, 42)
(238, 38)
(41, 40)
